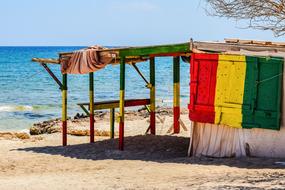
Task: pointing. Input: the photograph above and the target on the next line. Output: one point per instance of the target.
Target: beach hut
(207, 138)
(89, 60)
(255, 128)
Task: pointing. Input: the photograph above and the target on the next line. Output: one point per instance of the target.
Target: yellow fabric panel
(230, 90)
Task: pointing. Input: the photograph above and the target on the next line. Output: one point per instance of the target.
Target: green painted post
(122, 103)
(152, 95)
(176, 94)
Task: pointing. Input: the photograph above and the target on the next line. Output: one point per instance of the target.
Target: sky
(114, 22)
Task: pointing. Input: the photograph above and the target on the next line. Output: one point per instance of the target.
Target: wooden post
(64, 110)
(112, 122)
(91, 106)
(176, 94)
(122, 103)
(152, 95)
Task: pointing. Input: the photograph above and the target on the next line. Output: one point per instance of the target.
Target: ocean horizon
(29, 95)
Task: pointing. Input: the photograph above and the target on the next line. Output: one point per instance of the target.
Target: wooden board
(115, 103)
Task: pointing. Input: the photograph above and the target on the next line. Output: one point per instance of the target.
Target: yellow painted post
(91, 106)
(152, 95)
(64, 109)
(176, 94)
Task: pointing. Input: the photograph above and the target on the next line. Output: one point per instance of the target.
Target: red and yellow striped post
(64, 109)
(152, 95)
(176, 94)
(91, 106)
(122, 103)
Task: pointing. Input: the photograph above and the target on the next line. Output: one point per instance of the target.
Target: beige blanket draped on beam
(86, 60)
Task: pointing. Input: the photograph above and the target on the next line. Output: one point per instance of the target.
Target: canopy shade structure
(142, 53)
(133, 55)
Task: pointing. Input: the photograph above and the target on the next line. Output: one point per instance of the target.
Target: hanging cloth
(86, 60)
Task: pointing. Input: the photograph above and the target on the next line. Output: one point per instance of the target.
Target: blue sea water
(28, 94)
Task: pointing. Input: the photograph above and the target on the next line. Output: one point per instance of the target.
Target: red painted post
(152, 95)
(176, 94)
(122, 103)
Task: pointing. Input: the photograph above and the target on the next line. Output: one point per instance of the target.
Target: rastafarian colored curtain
(235, 90)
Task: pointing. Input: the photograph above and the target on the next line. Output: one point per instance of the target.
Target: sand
(148, 162)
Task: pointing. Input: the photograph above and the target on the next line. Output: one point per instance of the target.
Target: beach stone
(79, 132)
(22, 135)
(53, 129)
(14, 135)
(35, 130)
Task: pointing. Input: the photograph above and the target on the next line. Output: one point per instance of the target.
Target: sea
(29, 95)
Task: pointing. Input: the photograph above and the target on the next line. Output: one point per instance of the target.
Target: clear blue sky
(114, 22)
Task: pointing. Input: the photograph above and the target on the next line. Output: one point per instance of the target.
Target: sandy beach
(148, 162)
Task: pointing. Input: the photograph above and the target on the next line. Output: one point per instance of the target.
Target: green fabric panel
(264, 81)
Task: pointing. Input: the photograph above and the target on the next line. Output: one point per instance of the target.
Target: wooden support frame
(52, 75)
(176, 94)
(64, 109)
(122, 103)
(153, 50)
(152, 94)
(91, 106)
(125, 54)
(140, 73)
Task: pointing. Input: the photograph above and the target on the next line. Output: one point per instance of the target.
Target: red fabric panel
(203, 73)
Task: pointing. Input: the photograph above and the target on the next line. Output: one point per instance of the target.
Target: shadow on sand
(161, 149)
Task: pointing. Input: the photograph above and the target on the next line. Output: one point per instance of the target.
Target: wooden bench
(112, 105)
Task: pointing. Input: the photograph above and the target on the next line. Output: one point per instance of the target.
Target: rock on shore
(76, 128)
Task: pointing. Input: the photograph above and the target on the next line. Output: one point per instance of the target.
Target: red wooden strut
(91, 128)
(121, 136)
(176, 125)
(152, 123)
(64, 133)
